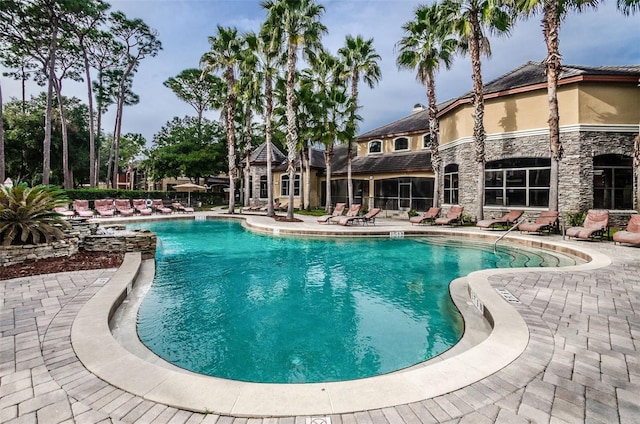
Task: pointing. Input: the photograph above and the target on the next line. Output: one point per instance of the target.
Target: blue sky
(596, 38)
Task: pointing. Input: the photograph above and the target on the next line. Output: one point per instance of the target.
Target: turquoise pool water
(230, 303)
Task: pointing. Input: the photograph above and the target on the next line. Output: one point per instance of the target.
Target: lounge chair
(632, 234)
(428, 216)
(104, 207)
(81, 207)
(179, 207)
(265, 208)
(546, 222)
(351, 213)
(123, 206)
(158, 205)
(369, 217)
(140, 205)
(453, 216)
(337, 211)
(65, 211)
(283, 207)
(594, 226)
(505, 220)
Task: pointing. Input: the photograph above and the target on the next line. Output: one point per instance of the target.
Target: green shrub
(575, 219)
(27, 214)
(412, 212)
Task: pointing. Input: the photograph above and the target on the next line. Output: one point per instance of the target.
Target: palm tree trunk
(303, 162)
(354, 97)
(268, 91)
(247, 173)
(307, 181)
(2, 166)
(231, 136)
(478, 111)
(327, 160)
(636, 164)
(292, 127)
(436, 160)
(551, 28)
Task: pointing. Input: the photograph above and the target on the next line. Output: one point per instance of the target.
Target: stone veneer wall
(576, 167)
(13, 255)
(81, 235)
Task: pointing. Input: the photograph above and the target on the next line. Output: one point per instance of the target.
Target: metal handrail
(495, 244)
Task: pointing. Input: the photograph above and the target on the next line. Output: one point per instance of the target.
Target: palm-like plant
(250, 96)
(473, 20)
(298, 25)
(267, 48)
(325, 78)
(553, 12)
(224, 56)
(361, 61)
(429, 43)
(27, 215)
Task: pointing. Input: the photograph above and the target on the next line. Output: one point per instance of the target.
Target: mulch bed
(78, 262)
(280, 218)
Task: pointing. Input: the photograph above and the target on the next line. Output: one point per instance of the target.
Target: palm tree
(251, 97)
(224, 56)
(553, 13)
(324, 79)
(429, 43)
(473, 20)
(298, 23)
(361, 61)
(267, 48)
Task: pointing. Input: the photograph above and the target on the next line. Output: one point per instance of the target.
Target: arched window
(451, 184)
(426, 140)
(400, 144)
(375, 146)
(613, 182)
(517, 182)
(284, 185)
(263, 187)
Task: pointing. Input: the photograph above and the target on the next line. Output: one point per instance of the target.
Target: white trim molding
(603, 128)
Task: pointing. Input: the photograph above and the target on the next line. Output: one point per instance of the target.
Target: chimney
(418, 107)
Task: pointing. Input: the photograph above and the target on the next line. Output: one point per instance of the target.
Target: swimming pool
(233, 304)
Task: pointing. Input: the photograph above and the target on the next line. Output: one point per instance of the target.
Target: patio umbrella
(189, 187)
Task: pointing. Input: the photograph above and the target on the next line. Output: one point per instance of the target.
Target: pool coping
(101, 354)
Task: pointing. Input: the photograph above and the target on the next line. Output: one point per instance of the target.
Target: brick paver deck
(582, 363)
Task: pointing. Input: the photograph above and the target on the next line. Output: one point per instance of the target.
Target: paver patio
(581, 364)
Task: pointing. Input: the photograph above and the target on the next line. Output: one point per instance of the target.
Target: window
(613, 182)
(517, 182)
(263, 187)
(426, 141)
(451, 184)
(400, 144)
(284, 186)
(375, 146)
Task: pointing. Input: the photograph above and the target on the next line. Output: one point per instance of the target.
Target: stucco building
(599, 120)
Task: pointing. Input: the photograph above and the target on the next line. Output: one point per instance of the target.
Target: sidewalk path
(582, 363)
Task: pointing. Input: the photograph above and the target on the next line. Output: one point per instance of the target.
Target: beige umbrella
(189, 187)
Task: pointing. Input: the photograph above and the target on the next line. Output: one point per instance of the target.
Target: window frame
(615, 162)
(452, 192)
(284, 185)
(378, 142)
(263, 192)
(395, 140)
(426, 140)
(516, 179)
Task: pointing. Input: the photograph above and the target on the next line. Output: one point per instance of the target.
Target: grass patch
(312, 212)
